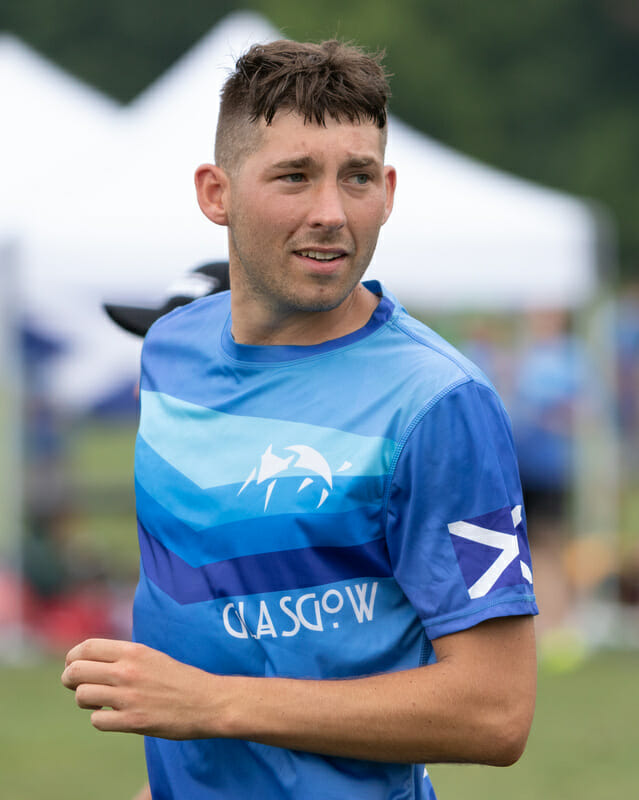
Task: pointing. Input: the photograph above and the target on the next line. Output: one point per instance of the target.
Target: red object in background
(56, 623)
(63, 621)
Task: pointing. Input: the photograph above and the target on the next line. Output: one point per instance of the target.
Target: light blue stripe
(216, 449)
(204, 510)
(201, 534)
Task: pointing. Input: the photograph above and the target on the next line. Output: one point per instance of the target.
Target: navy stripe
(286, 570)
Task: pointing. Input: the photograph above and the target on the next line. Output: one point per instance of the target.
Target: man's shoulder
(429, 357)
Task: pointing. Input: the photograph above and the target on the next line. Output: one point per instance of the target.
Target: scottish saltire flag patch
(492, 551)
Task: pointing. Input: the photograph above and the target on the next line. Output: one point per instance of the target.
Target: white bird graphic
(308, 459)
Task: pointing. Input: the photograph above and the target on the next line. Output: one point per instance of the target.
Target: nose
(327, 209)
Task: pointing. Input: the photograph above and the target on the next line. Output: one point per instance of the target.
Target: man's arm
(474, 705)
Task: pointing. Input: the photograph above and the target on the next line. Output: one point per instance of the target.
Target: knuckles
(127, 673)
(119, 685)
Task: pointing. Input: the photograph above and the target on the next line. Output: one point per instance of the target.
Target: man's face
(304, 213)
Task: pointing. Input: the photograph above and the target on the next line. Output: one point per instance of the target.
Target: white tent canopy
(464, 235)
(101, 199)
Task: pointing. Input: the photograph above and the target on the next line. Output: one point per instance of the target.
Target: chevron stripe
(268, 572)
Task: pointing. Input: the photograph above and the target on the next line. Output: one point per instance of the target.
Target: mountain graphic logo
(303, 458)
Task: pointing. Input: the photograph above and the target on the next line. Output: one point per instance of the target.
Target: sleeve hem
(454, 623)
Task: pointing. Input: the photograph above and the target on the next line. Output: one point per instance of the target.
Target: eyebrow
(362, 162)
(304, 162)
(294, 163)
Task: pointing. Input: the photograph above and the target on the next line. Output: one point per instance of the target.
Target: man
(335, 583)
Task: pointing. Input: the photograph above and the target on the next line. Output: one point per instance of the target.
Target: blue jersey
(316, 512)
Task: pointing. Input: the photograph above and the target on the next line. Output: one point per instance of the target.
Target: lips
(321, 255)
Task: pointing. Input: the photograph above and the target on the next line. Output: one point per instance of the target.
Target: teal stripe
(215, 449)
(204, 509)
(254, 536)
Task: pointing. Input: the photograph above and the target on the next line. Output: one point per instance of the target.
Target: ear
(211, 185)
(390, 181)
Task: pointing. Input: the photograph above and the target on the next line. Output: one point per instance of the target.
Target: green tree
(118, 46)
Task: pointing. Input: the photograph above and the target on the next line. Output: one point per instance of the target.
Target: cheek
(369, 218)
(288, 209)
(274, 211)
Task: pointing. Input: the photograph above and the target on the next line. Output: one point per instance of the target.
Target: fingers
(97, 650)
(79, 672)
(92, 696)
(107, 719)
(95, 661)
(129, 687)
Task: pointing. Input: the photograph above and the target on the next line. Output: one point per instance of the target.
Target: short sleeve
(456, 529)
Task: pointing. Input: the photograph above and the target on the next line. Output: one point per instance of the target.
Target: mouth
(321, 256)
(322, 262)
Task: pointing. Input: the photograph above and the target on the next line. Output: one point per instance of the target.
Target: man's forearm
(475, 704)
(439, 713)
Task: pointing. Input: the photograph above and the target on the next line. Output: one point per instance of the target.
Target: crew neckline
(278, 353)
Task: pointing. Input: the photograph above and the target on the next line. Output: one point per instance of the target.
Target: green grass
(48, 749)
(584, 743)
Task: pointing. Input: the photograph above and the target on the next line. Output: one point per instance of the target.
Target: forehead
(290, 137)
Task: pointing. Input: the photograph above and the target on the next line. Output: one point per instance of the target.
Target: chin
(326, 299)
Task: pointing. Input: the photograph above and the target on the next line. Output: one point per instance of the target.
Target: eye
(293, 177)
(361, 179)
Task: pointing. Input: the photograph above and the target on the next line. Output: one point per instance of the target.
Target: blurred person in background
(628, 376)
(551, 384)
(202, 281)
(628, 417)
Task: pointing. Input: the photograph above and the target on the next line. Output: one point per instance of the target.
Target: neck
(256, 325)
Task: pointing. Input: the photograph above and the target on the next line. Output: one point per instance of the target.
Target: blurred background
(514, 131)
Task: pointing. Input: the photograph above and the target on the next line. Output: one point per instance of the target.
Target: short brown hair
(333, 79)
